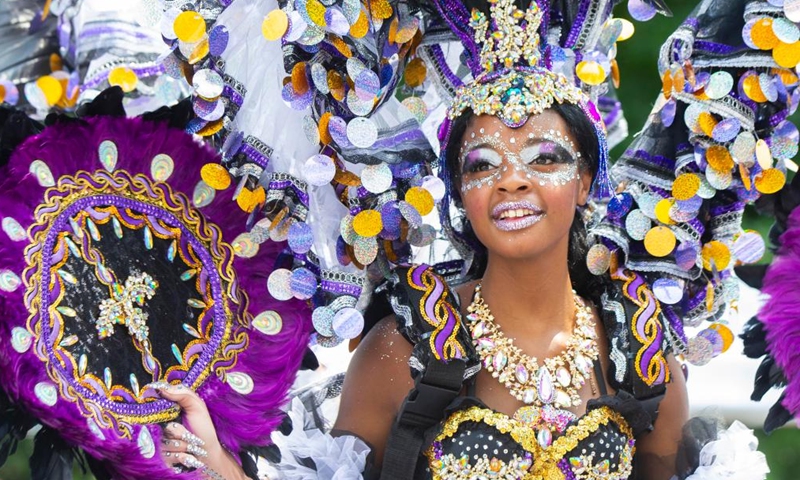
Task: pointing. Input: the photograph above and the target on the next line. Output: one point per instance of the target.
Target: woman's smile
(511, 216)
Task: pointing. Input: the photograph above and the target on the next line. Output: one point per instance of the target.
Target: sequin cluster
(340, 87)
(679, 219)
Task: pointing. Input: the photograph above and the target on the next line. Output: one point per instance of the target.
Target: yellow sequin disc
(324, 134)
(770, 181)
(762, 34)
(590, 72)
(361, 27)
(719, 158)
(706, 122)
(660, 241)
(211, 129)
(662, 211)
(716, 252)
(190, 27)
(787, 55)
(316, 12)
(685, 186)
(420, 199)
(275, 25)
(124, 78)
(248, 200)
(51, 88)
(336, 85)
(752, 88)
(666, 84)
(415, 72)
(215, 176)
(368, 223)
(744, 173)
(725, 333)
(300, 78)
(381, 9)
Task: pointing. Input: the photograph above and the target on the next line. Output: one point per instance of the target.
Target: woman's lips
(510, 216)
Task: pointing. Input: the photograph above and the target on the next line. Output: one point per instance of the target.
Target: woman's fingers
(176, 431)
(190, 461)
(186, 398)
(179, 446)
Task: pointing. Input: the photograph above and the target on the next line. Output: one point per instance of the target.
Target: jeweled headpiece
(513, 83)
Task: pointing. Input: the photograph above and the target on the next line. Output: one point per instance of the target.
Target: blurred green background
(640, 85)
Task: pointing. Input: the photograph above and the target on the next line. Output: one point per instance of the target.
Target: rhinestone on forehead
(551, 134)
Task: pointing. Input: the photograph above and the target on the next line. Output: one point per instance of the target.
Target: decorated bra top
(122, 267)
(535, 443)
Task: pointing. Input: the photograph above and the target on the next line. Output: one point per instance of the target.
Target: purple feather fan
(119, 268)
(781, 313)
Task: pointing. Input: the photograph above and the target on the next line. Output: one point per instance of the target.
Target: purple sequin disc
(218, 40)
(640, 10)
(348, 323)
(303, 283)
(300, 237)
(668, 290)
(619, 205)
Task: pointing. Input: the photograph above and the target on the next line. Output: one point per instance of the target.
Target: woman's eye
(481, 160)
(546, 154)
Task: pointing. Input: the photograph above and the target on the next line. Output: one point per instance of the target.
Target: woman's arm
(656, 452)
(377, 381)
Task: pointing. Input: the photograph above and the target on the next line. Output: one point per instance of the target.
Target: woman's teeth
(519, 212)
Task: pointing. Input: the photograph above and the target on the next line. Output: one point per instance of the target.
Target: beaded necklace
(555, 383)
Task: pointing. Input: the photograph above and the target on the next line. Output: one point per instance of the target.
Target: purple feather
(271, 361)
(781, 313)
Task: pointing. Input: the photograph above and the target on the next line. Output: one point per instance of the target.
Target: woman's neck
(530, 297)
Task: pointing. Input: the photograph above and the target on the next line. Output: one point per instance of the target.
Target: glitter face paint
(544, 156)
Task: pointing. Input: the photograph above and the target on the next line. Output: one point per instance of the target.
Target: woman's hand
(195, 444)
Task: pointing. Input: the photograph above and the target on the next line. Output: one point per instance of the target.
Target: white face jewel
(544, 156)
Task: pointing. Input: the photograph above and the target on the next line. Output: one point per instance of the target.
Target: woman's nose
(513, 179)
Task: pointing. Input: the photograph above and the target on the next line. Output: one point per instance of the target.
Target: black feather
(768, 375)
(754, 338)
(777, 416)
(52, 458)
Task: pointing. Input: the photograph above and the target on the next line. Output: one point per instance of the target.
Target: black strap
(423, 408)
(601, 379)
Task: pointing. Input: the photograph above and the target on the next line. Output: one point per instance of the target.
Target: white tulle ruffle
(334, 458)
(733, 456)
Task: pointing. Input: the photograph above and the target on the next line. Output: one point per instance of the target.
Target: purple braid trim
(393, 141)
(674, 321)
(723, 209)
(340, 288)
(441, 62)
(232, 95)
(778, 118)
(104, 31)
(713, 47)
(577, 25)
(659, 160)
(257, 157)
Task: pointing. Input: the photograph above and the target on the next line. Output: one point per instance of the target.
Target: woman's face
(520, 186)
